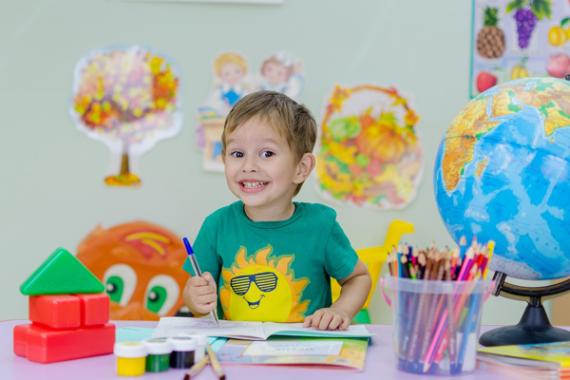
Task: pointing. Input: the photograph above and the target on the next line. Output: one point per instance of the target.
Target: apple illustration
(558, 65)
(485, 80)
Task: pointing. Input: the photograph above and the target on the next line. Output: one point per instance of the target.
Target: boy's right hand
(200, 294)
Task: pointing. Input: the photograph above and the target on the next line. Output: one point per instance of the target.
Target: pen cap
(158, 346)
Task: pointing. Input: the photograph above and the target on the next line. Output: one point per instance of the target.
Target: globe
(502, 173)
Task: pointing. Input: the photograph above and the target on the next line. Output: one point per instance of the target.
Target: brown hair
(291, 119)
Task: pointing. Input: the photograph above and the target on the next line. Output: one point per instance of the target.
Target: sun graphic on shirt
(262, 288)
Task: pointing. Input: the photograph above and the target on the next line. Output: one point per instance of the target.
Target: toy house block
(94, 309)
(61, 273)
(58, 312)
(45, 345)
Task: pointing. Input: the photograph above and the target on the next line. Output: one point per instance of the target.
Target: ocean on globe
(502, 173)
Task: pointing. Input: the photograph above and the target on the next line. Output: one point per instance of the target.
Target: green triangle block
(61, 273)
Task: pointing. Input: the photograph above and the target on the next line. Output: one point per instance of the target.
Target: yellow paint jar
(131, 358)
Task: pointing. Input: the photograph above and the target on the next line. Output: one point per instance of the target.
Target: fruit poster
(128, 99)
(518, 39)
(370, 154)
(233, 80)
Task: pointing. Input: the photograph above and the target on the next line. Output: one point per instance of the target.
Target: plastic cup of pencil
(436, 324)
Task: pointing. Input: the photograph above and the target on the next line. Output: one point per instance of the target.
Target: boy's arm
(354, 290)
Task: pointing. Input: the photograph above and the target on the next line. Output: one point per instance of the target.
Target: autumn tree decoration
(127, 98)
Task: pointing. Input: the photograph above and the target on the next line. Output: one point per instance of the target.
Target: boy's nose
(249, 165)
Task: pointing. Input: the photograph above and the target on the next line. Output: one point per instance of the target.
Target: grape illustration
(526, 22)
(527, 14)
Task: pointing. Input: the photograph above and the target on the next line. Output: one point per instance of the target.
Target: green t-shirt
(273, 271)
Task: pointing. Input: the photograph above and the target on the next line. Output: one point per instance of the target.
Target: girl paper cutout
(370, 154)
(127, 98)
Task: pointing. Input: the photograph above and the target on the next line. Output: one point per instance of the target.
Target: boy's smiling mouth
(251, 186)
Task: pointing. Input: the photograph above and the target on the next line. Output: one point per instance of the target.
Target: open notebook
(172, 326)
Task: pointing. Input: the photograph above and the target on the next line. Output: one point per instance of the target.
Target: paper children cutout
(370, 154)
(282, 73)
(232, 80)
(127, 98)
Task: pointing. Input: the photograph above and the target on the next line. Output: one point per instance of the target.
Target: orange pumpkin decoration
(140, 264)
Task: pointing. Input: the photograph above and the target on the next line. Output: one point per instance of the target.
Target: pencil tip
(186, 377)
(223, 377)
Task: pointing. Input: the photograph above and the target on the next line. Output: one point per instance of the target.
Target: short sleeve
(205, 250)
(340, 257)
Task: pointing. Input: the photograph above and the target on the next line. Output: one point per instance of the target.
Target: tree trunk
(125, 171)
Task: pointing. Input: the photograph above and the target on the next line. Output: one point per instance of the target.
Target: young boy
(265, 257)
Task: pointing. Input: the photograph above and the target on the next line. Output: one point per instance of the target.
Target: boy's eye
(267, 154)
(236, 154)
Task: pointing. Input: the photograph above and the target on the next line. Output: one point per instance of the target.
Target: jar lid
(183, 343)
(130, 349)
(158, 346)
(201, 340)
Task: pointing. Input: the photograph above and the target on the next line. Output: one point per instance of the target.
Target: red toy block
(20, 338)
(45, 345)
(94, 309)
(59, 312)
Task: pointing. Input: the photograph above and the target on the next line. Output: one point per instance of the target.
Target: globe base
(534, 327)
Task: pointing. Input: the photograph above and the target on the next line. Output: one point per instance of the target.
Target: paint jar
(201, 343)
(158, 359)
(183, 350)
(131, 357)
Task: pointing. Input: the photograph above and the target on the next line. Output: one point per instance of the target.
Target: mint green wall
(52, 190)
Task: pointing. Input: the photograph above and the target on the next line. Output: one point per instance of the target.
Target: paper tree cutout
(61, 273)
(129, 100)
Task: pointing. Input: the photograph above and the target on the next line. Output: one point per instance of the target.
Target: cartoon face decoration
(140, 265)
(262, 288)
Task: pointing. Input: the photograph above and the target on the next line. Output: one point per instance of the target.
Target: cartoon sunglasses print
(265, 281)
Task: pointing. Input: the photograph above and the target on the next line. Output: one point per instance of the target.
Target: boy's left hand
(328, 318)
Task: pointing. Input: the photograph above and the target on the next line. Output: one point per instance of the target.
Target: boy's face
(260, 168)
(231, 73)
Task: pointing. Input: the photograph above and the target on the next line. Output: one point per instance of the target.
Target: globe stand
(534, 326)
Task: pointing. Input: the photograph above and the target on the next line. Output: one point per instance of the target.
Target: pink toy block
(57, 311)
(94, 309)
(46, 345)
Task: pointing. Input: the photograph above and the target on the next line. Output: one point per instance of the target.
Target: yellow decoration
(557, 36)
(374, 257)
(519, 72)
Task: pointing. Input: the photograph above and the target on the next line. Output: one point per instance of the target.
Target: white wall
(51, 188)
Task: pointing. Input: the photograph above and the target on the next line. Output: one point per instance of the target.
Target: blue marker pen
(197, 270)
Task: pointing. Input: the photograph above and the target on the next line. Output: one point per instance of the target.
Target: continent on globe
(502, 173)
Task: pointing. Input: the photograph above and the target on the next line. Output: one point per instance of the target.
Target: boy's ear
(304, 168)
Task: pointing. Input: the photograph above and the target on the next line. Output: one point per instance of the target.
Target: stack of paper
(532, 361)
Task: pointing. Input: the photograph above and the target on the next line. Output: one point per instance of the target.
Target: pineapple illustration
(491, 38)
